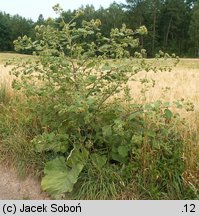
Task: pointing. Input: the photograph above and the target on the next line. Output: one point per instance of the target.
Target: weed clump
(83, 123)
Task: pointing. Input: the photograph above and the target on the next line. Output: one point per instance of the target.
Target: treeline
(173, 25)
(12, 27)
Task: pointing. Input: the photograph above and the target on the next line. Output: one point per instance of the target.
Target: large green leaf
(107, 131)
(123, 151)
(56, 180)
(77, 156)
(98, 160)
(61, 175)
(168, 114)
(120, 153)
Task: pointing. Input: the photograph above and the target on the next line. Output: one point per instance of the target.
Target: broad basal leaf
(56, 180)
(61, 175)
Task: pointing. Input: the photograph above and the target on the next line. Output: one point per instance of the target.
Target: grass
(15, 146)
(181, 83)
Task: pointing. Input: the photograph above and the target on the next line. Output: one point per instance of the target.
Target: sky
(33, 8)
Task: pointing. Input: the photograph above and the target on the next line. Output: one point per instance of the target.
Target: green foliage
(51, 142)
(171, 24)
(12, 27)
(168, 114)
(194, 30)
(89, 128)
(60, 175)
(98, 182)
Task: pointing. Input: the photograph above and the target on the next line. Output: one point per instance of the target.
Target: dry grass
(5, 78)
(4, 74)
(4, 57)
(5, 84)
(182, 82)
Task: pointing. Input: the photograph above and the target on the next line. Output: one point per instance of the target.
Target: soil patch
(14, 188)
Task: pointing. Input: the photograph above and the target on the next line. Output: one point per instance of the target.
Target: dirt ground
(14, 188)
